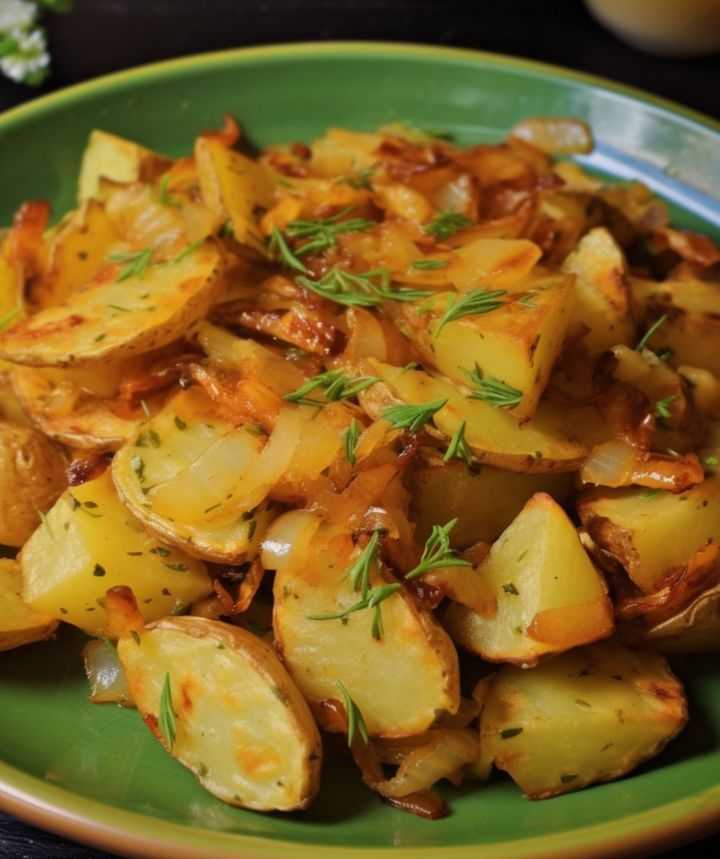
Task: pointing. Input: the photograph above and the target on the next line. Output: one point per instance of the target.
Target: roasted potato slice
(32, 477)
(19, 623)
(78, 250)
(87, 544)
(495, 263)
(549, 596)
(400, 681)
(650, 532)
(691, 329)
(588, 716)
(602, 295)
(69, 406)
(195, 479)
(517, 342)
(118, 316)
(543, 443)
(239, 723)
(111, 157)
(484, 500)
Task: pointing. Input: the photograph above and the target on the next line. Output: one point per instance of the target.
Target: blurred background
(98, 36)
(86, 38)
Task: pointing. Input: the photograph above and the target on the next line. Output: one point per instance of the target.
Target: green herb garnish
(372, 600)
(437, 552)
(280, 250)
(136, 263)
(359, 572)
(412, 417)
(642, 343)
(350, 437)
(335, 384)
(368, 289)
(662, 407)
(188, 249)
(429, 264)
(322, 234)
(355, 721)
(446, 224)
(473, 303)
(494, 391)
(166, 717)
(166, 198)
(458, 447)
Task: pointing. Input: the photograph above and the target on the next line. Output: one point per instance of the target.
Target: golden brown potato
(89, 543)
(404, 678)
(518, 342)
(650, 532)
(602, 297)
(543, 443)
(237, 720)
(19, 624)
(484, 500)
(555, 135)
(549, 597)
(588, 716)
(111, 157)
(32, 477)
(115, 316)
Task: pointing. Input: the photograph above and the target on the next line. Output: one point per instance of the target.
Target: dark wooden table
(104, 35)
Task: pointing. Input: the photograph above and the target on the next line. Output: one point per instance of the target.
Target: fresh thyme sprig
(446, 224)
(166, 717)
(642, 343)
(351, 436)
(335, 384)
(280, 250)
(473, 303)
(355, 721)
(437, 552)
(458, 447)
(372, 599)
(137, 263)
(368, 289)
(359, 572)
(494, 391)
(412, 417)
(322, 233)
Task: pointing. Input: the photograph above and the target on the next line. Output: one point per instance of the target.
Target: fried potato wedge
(484, 500)
(588, 716)
(108, 156)
(400, 681)
(195, 480)
(115, 316)
(62, 403)
(651, 533)
(19, 623)
(543, 443)
(602, 295)
(240, 723)
(87, 544)
(32, 477)
(549, 596)
(518, 342)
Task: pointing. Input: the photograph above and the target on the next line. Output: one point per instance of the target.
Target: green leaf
(412, 418)
(437, 552)
(355, 720)
(166, 717)
(446, 224)
(351, 436)
(280, 250)
(473, 303)
(322, 233)
(458, 447)
(428, 264)
(335, 384)
(137, 263)
(494, 391)
(643, 342)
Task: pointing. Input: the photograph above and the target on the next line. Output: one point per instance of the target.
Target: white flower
(29, 61)
(16, 15)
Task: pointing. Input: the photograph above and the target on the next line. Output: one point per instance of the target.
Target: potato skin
(32, 477)
(227, 684)
(19, 623)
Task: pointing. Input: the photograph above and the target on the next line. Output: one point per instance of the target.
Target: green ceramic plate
(96, 773)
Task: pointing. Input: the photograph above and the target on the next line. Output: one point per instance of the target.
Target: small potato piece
(555, 135)
(651, 533)
(602, 296)
(110, 318)
(540, 444)
(32, 477)
(484, 500)
(241, 726)
(19, 623)
(588, 716)
(549, 595)
(108, 156)
(88, 544)
(401, 681)
(517, 343)
(494, 263)
(194, 479)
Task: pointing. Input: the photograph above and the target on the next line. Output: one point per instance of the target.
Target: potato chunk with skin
(32, 477)
(602, 296)
(484, 500)
(549, 595)
(114, 318)
(19, 623)
(517, 342)
(241, 726)
(401, 681)
(651, 533)
(588, 716)
(540, 444)
(89, 543)
(195, 479)
(111, 157)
